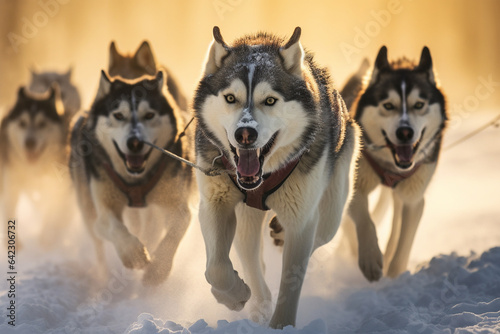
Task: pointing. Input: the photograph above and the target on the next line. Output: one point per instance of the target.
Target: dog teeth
(237, 151)
(258, 152)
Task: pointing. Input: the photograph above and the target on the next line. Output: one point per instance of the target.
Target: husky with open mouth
(402, 113)
(117, 175)
(269, 116)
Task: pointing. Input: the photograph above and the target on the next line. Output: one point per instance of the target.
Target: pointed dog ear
(145, 58)
(68, 73)
(293, 54)
(425, 65)
(160, 80)
(33, 72)
(217, 51)
(21, 94)
(104, 85)
(381, 64)
(114, 55)
(55, 98)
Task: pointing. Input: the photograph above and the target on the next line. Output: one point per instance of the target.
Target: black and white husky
(401, 111)
(32, 150)
(116, 174)
(269, 116)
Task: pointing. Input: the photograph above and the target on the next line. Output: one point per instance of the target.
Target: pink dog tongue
(135, 162)
(404, 152)
(248, 163)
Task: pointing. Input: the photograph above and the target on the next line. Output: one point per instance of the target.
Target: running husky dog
(32, 147)
(41, 82)
(142, 63)
(402, 113)
(115, 172)
(269, 116)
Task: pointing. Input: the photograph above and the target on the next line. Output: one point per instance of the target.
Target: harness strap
(256, 198)
(136, 192)
(389, 178)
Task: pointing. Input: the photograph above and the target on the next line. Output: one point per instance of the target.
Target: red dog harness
(136, 192)
(388, 178)
(257, 198)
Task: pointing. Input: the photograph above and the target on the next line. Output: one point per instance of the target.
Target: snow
(453, 285)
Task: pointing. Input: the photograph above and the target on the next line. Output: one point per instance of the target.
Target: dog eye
(118, 116)
(230, 98)
(418, 105)
(23, 124)
(270, 101)
(149, 115)
(42, 124)
(389, 106)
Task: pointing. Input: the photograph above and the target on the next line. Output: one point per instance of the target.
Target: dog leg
(380, 208)
(412, 212)
(296, 252)
(350, 239)
(161, 264)
(248, 243)
(395, 232)
(370, 256)
(131, 251)
(89, 215)
(218, 224)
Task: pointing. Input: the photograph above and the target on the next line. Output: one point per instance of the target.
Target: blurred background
(56, 34)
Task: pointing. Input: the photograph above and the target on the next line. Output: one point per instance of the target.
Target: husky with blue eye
(401, 110)
(269, 116)
(117, 176)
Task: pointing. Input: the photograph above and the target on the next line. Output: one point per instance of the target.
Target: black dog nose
(246, 136)
(30, 143)
(134, 144)
(404, 133)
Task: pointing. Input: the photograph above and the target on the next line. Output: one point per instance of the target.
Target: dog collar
(256, 198)
(136, 192)
(388, 178)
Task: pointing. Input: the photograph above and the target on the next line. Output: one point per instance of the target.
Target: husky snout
(246, 136)
(30, 143)
(135, 144)
(405, 134)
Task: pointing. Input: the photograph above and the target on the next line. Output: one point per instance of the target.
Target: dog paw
(134, 255)
(260, 312)
(371, 263)
(277, 232)
(236, 297)
(156, 273)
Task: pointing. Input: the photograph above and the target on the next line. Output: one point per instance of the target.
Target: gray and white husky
(401, 111)
(32, 151)
(116, 175)
(143, 62)
(41, 82)
(269, 116)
